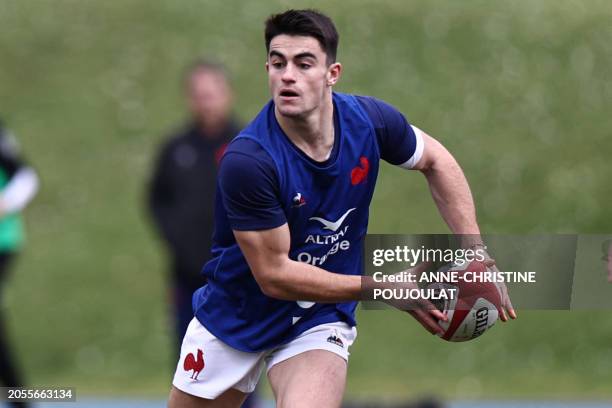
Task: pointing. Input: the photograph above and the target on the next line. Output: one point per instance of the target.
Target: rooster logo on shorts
(191, 363)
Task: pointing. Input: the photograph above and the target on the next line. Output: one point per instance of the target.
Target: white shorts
(208, 367)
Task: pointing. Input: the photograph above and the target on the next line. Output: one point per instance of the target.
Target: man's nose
(288, 73)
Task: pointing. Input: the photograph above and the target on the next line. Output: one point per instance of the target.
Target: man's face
(209, 96)
(298, 75)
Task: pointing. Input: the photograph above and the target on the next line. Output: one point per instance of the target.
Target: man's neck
(314, 133)
(212, 129)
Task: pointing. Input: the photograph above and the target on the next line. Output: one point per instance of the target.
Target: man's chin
(290, 111)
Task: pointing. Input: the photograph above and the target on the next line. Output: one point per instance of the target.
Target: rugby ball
(475, 307)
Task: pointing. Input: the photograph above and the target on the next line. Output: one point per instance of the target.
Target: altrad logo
(335, 239)
(332, 225)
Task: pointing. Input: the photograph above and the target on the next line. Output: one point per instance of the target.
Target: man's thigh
(231, 398)
(208, 369)
(315, 378)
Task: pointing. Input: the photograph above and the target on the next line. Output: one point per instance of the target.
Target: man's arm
(22, 182)
(278, 276)
(452, 195)
(19, 191)
(449, 187)
(406, 146)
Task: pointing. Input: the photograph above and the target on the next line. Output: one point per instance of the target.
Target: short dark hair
(205, 65)
(308, 23)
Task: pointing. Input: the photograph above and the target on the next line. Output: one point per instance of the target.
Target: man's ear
(267, 67)
(333, 73)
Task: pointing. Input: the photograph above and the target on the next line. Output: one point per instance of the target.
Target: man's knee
(314, 378)
(180, 399)
(229, 399)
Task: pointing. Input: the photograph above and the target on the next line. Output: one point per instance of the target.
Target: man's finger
(432, 310)
(427, 322)
(502, 314)
(510, 308)
(506, 303)
(438, 315)
(424, 304)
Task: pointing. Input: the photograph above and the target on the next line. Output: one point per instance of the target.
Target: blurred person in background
(182, 190)
(18, 185)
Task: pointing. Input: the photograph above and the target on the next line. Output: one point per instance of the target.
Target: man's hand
(474, 242)
(422, 310)
(428, 316)
(506, 306)
(452, 195)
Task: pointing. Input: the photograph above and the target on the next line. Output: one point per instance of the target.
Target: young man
(293, 195)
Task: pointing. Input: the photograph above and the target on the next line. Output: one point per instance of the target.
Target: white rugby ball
(473, 310)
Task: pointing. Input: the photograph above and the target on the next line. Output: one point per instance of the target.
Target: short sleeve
(399, 142)
(249, 187)
(10, 161)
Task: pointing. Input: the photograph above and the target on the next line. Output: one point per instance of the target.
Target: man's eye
(305, 66)
(277, 64)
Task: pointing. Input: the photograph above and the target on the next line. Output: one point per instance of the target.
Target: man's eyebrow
(301, 55)
(274, 53)
(306, 55)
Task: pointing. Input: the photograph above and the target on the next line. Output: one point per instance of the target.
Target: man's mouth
(285, 94)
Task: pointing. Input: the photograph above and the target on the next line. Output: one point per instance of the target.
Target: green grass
(519, 91)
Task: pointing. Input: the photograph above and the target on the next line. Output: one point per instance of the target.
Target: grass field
(520, 92)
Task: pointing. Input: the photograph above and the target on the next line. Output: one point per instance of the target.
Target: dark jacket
(182, 196)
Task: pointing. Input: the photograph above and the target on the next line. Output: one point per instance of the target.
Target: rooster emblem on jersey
(191, 363)
(360, 173)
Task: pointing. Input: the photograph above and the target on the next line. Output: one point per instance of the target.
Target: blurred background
(520, 92)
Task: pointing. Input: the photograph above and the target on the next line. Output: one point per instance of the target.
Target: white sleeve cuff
(20, 190)
(418, 150)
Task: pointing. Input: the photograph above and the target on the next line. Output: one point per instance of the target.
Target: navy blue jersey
(325, 205)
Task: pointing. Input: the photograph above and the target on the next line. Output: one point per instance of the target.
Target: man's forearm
(452, 195)
(302, 281)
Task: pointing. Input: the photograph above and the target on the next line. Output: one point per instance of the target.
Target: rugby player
(293, 194)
